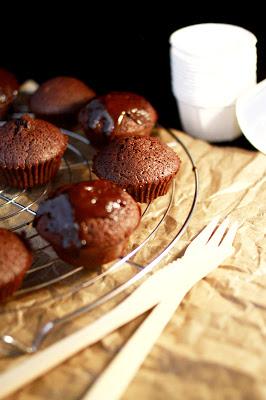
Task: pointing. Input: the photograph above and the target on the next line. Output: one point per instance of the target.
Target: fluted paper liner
(34, 175)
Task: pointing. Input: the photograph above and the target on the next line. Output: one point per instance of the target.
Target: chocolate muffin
(116, 114)
(144, 166)
(15, 260)
(88, 223)
(60, 99)
(30, 152)
(8, 91)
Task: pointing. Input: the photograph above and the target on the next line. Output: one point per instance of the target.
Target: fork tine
(230, 235)
(217, 236)
(203, 237)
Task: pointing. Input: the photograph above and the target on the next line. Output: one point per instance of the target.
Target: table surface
(214, 346)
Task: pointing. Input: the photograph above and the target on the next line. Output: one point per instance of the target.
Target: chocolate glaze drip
(116, 114)
(8, 84)
(94, 199)
(99, 118)
(61, 222)
(70, 205)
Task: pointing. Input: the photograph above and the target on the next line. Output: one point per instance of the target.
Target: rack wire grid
(17, 211)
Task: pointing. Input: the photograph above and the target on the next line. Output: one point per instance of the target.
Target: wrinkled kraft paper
(215, 345)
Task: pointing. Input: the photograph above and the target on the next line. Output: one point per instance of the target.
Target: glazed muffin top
(136, 160)
(116, 114)
(87, 213)
(27, 142)
(8, 87)
(60, 95)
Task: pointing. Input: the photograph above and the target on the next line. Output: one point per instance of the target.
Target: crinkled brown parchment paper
(215, 345)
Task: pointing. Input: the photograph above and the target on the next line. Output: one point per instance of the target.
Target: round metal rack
(17, 211)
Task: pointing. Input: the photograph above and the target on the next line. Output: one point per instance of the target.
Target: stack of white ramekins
(211, 66)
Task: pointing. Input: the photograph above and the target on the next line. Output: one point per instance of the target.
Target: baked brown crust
(30, 151)
(15, 260)
(59, 100)
(144, 166)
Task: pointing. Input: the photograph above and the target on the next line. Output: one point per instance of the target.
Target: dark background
(122, 49)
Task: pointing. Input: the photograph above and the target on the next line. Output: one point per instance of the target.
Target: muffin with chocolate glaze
(8, 91)
(88, 223)
(59, 100)
(144, 166)
(15, 260)
(116, 114)
(30, 152)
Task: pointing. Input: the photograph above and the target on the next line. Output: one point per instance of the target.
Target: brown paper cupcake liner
(150, 191)
(23, 178)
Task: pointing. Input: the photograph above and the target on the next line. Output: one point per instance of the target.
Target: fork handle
(119, 373)
(116, 377)
(142, 299)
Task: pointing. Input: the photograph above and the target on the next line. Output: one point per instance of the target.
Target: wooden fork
(206, 252)
(164, 290)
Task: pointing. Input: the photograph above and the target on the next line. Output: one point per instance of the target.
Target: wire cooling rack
(48, 272)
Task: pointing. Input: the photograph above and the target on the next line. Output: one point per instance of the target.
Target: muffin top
(15, 257)
(136, 160)
(27, 141)
(117, 113)
(60, 95)
(8, 87)
(87, 214)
